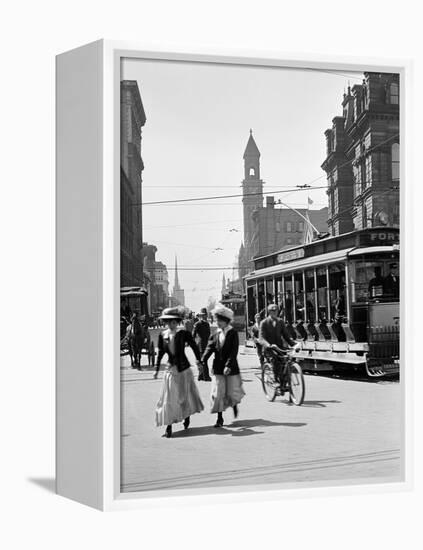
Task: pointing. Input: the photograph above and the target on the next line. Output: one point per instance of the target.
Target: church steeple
(223, 284)
(176, 283)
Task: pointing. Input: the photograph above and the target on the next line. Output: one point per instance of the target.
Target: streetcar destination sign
(290, 255)
(379, 238)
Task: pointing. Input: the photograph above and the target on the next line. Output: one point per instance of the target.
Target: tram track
(264, 471)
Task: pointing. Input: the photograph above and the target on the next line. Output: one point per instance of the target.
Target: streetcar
(235, 302)
(339, 297)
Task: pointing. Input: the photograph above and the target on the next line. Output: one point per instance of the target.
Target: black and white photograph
(260, 277)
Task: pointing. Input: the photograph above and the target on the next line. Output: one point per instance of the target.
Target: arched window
(394, 93)
(252, 172)
(395, 162)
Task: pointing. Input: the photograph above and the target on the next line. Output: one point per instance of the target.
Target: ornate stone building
(362, 156)
(132, 119)
(271, 227)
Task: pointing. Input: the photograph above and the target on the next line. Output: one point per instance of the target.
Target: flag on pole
(308, 230)
(310, 201)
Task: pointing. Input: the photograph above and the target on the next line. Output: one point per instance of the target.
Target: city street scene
(260, 277)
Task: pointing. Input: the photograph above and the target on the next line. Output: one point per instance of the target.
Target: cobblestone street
(347, 431)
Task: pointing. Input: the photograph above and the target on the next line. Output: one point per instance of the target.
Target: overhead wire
(305, 187)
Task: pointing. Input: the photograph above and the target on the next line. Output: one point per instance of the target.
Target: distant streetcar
(236, 302)
(339, 296)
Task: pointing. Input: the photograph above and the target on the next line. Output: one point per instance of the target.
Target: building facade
(362, 156)
(157, 279)
(162, 285)
(132, 119)
(277, 228)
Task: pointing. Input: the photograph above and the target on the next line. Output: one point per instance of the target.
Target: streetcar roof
(302, 263)
(342, 239)
(373, 250)
(319, 260)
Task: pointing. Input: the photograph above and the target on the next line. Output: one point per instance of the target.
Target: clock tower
(252, 190)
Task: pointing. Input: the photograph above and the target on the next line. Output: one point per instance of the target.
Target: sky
(198, 122)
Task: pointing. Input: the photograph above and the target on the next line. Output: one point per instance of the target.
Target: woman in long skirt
(227, 390)
(179, 397)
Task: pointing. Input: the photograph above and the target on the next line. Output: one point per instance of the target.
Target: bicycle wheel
(268, 381)
(296, 384)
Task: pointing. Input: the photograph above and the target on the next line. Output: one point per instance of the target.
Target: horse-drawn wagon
(135, 338)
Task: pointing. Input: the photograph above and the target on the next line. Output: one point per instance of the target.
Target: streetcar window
(299, 296)
(369, 280)
(322, 294)
(251, 295)
(270, 297)
(310, 296)
(278, 287)
(337, 292)
(261, 302)
(288, 298)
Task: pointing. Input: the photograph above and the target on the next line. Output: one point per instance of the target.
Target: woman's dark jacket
(225, 356)
(178, 359)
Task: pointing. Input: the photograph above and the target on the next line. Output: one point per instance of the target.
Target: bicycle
(280, 374)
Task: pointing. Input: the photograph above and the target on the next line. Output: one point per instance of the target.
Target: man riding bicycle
(274, 334)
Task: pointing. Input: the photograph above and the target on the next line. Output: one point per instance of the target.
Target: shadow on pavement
(261, 423)
(318, 404)
(47, 483)
(210, 430)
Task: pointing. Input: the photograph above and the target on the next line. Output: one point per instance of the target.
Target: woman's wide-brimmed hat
(173, 313)
(203, 311)
(223, 311)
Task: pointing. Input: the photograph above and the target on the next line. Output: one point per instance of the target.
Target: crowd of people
(179, 397)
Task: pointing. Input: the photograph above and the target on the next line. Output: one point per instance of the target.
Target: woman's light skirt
(226, 391)
(179, 397)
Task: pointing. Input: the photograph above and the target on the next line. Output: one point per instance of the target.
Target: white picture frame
(87, 175)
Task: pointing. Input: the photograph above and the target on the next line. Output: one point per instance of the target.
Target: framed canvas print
(230, 289)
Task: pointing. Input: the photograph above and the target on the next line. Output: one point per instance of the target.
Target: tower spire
(251, 151)
(176, 283)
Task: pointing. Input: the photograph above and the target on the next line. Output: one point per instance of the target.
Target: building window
(364, 214)
(278, 227)
(395, 162)
(289, 240)
(288, 227)
(252, 172)
(301, 226)
(368, 171)
(394, 94)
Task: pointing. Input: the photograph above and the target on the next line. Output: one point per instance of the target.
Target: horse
(135, 335)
